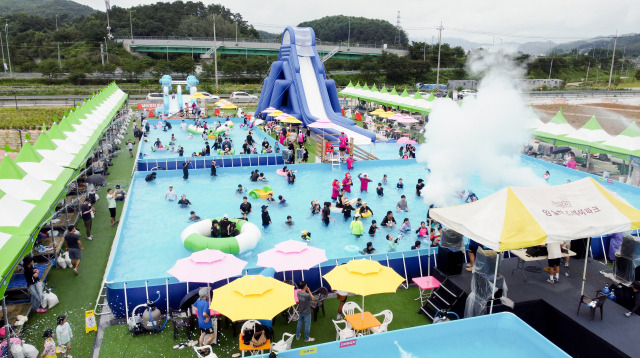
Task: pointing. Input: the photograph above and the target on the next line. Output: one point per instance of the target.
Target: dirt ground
(613, 117)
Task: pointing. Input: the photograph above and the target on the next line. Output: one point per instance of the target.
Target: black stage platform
(551, 309)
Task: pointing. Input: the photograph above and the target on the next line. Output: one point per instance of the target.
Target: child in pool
(393, 243)
(373, 228)
(422, 231)
(435, 238)
(400, 185)
(306, 235)
(282, 201)
(315, 207)
(270, 198)
(380, 190)
(406, 225)
(289, 221)
(384, 179)
(335, 189)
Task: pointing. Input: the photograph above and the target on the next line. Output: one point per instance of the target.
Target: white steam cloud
(483, 136)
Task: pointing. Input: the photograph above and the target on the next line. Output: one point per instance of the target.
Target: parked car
(468, 92)
(210, 97)
(243, 97)
(157, 96)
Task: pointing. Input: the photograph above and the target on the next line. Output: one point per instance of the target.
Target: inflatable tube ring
(261, 193)
(197, 236)
(367, 214)
(281, 172)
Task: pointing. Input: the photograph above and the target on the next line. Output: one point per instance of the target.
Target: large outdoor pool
(149, 238)
(195, 143)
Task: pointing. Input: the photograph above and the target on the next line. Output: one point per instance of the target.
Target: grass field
(29, 117)
(78, 294)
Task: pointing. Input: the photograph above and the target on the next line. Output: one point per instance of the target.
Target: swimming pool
(493, 336)
(388, 150)
(148, 240)
(237, 135)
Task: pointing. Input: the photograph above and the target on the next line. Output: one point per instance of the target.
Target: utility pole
(349, 35)
(102, 53)
(613, 57)
(131, 23)
(440, 28)
(108, 23)
(6, 33)
(59, 60)
(215, 52)
(424, 50)
(4, 64)
(106, 46)
(551, 66)
(236, 32)
(587, 79)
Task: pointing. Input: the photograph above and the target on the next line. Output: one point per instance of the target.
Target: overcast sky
(474, 20)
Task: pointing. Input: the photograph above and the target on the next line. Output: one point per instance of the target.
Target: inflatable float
(232, 151)
(195, 130)
(197, 236)
(281, 172)
(261, 193)
(226, 127)
(335, 209)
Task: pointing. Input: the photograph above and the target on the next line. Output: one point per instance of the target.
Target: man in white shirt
(171, 195)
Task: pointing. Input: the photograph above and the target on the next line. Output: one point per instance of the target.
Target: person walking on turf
(304, 308)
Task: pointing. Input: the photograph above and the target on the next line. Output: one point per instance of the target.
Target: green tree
(50, 68)
(257, 66)
(184, 65)
(135, 67)
(162, 67)
(233, 67)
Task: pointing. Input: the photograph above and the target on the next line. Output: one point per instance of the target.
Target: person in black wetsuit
(266, 219)
(215, 229)
(224, 226)
(185, 169)
(213, 168)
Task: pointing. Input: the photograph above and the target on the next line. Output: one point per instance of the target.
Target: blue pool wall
(223, 161)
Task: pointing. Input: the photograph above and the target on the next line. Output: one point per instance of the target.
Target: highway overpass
(203, 47)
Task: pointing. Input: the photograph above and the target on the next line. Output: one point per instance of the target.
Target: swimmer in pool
(306, 235)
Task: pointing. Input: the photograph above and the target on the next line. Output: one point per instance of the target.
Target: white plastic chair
(343, 333)
(250, 324)
(200, 355)
(284, 344)
(388, 317)
(350, 308)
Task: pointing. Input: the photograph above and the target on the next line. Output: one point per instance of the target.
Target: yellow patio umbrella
(198, 95)
(275, 114)
(228, 106)
(252, 297)
(291, 119)
(386, 114)
(363, 277)
(378, 111)
(221, 102)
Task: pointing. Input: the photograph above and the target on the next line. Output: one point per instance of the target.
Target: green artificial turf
(78, 294)
(118, 341)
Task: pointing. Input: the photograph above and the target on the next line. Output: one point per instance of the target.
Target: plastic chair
(320, 295)
(200, 351)
(180, 319)
(284, 344)
(250, 324)
(599, 301)
(388, 317)
(343, 333)
(350, 308)
(328, 148)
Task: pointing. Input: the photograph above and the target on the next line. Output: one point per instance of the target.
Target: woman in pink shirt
(350, 161)
(336, 189)
(364, 181)
(572, 163)
(347, 183)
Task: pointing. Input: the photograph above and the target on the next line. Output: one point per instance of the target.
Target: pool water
(195, 144)
(388, 150)
(494, 336)
(149, 238)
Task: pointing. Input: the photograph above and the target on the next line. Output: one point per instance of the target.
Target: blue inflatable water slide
(297, 85)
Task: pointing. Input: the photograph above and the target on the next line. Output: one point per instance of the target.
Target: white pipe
(126, 304)
(419, 263)
(604, 252)
(495, 278)
(167, 288)
(320, 272)
(146, 289)
(584, 272)
(406, 279)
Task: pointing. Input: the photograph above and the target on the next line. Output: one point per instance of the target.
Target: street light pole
(6, 33)
(236, 32)
(349, 35)
(106, 46)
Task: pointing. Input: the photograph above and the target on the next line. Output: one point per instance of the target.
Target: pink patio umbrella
(269, 110)
(406, 120)
(406, 140)
(207, 266)
(396, 116)
(323, 123)
(292, 255)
